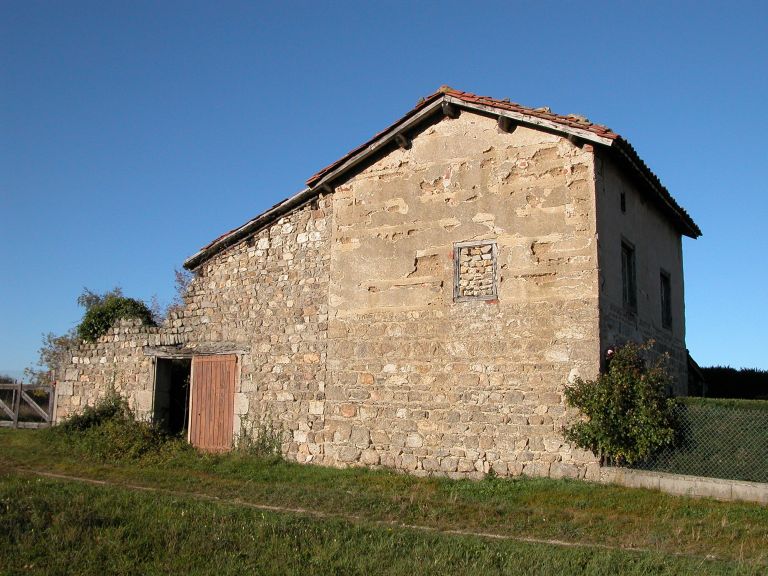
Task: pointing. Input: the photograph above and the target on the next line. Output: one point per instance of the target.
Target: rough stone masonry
(424, 313)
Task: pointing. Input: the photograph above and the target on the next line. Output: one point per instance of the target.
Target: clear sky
(132, 133)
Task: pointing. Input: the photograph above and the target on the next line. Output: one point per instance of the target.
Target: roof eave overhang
(682, 220)
(262, 220)
(585, 135)
(384, 139)
(435, 106)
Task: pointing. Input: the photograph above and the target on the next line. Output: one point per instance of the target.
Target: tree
(627, 415)
(54, 352)
(182, 280)
(101, 311)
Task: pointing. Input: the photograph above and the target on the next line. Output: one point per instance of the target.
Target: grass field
(205, 520)
(721, 439)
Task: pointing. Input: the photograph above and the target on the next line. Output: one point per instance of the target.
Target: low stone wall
(115, 362)
(680, 485)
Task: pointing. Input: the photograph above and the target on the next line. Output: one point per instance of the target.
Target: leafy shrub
(628, 416)
(111, 407)
(110, 431)
(101, 312)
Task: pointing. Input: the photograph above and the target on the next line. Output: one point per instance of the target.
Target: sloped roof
(572, 125)
(547, 119)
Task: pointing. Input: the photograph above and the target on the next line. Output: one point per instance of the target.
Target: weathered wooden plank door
(212, 402)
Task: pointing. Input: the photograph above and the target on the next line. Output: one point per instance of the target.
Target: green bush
(111, 407)
(627, 415)
(109, 431)
(102, 312)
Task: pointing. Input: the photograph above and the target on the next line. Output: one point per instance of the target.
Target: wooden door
(212, 402)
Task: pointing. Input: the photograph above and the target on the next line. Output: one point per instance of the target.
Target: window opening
(628, 277)
(475, 271)
(666, 299)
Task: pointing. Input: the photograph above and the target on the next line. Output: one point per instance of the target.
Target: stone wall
(657, 247)
(423, 383)
(264, 299)
(269, 294)
(116, 361)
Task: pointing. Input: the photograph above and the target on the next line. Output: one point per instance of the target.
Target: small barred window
(475, 265)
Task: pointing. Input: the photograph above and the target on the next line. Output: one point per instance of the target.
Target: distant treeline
(727, 382)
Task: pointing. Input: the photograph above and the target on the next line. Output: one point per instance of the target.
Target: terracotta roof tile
(571, 120)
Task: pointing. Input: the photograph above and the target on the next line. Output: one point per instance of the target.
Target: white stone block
(414, 441)
(64, 389)
(144, 400)
(317, 407)
(241, 403)
(300, 436)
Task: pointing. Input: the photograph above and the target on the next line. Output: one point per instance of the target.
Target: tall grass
(109, 431)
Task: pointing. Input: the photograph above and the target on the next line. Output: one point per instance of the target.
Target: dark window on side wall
(666, 299)
(628, 277)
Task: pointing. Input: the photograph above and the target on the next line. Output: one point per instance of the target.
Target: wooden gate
(20, 409)
(212, 402)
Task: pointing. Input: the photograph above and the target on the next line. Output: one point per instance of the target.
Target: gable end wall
(424, 384)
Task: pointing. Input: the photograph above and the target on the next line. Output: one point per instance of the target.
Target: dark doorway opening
(171, 408)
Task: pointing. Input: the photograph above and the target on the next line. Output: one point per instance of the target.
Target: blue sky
(132, 133)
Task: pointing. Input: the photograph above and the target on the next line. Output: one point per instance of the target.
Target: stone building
(422, 303)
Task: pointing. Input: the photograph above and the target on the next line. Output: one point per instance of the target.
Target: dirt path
(350, 517)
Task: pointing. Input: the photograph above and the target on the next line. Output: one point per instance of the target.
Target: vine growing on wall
(626, 414)
(103, 310)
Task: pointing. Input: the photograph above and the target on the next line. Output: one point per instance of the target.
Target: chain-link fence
(718, 439)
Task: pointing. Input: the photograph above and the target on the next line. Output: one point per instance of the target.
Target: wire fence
(717, 439)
